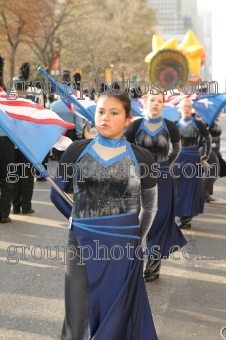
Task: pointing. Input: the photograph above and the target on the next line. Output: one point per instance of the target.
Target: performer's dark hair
(123, 97)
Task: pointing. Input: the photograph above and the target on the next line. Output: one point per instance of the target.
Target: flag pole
(61, 192)
(66, 92)
(47, 176)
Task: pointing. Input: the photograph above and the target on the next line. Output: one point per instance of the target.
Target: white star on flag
(205, 101)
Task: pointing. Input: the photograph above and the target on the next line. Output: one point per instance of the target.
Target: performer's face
(110, 117)
(186, 109)
(154, 105)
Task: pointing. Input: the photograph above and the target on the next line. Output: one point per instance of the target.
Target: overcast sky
(206, 3)
(218, 43)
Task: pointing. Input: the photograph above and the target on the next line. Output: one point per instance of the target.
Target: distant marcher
(190, 191)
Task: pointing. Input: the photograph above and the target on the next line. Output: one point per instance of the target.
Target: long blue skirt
(190, 195)
(118, 304)
(164, 236)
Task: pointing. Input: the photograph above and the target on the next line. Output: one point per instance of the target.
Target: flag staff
(66, 93)
(46, 175)
(61, 192)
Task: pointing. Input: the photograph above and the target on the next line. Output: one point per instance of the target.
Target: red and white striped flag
(31, 127)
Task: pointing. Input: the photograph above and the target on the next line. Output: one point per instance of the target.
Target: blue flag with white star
(209, 106)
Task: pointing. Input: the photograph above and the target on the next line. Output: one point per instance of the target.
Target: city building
(175, 17)
(204, 36)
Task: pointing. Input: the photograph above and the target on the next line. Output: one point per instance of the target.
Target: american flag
(31, 127)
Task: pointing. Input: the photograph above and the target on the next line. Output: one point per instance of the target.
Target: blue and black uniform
(190, 183)
(156, 135)
(114, 204)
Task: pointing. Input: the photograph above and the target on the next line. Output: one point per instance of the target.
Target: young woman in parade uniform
(114, 204)
(190, 195)
(156, 134)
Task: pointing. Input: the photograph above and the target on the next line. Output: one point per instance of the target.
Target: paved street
(188, 301)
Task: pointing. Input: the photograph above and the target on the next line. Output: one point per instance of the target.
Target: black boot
(152, 270)
(184, 222)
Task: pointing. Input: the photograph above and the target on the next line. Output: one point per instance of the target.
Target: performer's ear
(128, 121)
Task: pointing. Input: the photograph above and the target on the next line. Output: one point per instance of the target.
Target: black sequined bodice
(189, 136)
(103, 190)
(158, 144)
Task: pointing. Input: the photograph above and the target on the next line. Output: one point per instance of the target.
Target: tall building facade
(175, 17)
(204, 36)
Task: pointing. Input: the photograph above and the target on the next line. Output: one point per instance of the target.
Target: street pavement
(188, 301)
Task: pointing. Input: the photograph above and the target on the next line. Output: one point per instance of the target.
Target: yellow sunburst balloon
(159, 44)
(193, 51)
(189, 47)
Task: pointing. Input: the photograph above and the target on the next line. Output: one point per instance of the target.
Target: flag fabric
(62, 143)
(171, 103)
(31, 127)
(207, 105)
(86, 107)
(66, 93)
(87, 103)
(137, 106)
(169, 111)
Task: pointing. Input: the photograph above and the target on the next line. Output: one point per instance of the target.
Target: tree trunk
(12, 63)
